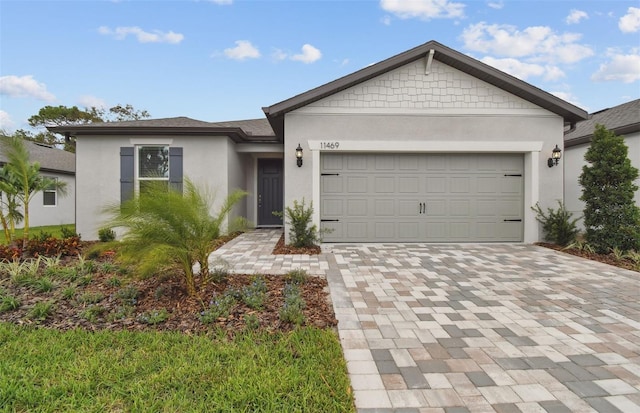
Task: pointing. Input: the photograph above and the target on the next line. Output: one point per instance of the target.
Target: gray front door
(269, 191)
(368, 197)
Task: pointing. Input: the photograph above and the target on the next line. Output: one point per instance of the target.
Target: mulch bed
(164, 291)
(604, 258)
(281, 248)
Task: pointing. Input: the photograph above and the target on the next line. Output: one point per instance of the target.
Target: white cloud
(523, 70)
(88, 101)
(222, 2)
(423, 9)
(243, 50)
(537, 43)
(630, 22)
(567, 96)
(24, 87)
(623, 68)
(496, 5)
(575, 16)
(278, 55)
(6, 123)
(553, 73)
(386, 20)
(157, 36)
(309, 54)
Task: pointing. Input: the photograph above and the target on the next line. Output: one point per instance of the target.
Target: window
(140, 165)
(153, 166)
(50, 193)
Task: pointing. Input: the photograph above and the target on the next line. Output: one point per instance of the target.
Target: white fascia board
(259, 148)
(425, 112)
(427, 146)
(151, 141)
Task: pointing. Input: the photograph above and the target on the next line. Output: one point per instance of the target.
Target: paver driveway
(474, 327)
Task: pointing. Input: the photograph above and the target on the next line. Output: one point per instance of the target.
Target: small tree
(558, 226)
(301, 232)
(611, 217)
(166, 226)
(21, 178)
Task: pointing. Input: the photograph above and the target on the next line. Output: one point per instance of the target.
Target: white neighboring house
(623, 120)
(429, 145)
(50, 207)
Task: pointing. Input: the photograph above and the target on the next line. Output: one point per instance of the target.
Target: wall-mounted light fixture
(299, 155)
(555, 157)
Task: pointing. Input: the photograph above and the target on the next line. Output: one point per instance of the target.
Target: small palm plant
(166, 226)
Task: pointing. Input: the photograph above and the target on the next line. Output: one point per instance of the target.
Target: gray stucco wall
(64, 210)
(407, 110)
(205, 161)
(574, 161)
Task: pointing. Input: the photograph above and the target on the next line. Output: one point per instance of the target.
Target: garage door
(421, 197)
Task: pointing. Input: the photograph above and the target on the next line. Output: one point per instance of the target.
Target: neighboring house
(429, 145)
(623, 120)
(51, 207)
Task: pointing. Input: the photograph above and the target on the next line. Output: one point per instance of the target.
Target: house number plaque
(329, 145)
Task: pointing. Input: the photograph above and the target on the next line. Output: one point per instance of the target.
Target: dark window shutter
(127, 174)
(175, 168)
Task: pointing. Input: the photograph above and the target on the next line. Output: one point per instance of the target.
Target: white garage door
(421, 197)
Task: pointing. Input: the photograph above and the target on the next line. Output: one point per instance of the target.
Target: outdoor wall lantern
(299, 155)
(555, 157)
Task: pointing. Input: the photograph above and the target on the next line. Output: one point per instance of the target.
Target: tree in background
(21, 178)
(611, 217)
(63, 115)
(10, 214)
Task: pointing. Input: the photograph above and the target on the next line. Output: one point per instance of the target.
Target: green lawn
(44, 370)
(55, 230)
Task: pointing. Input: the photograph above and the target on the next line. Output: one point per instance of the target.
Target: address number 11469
(329, 145)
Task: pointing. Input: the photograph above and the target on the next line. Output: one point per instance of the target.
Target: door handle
(422, 208)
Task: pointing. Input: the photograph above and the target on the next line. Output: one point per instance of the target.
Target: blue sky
(226, 59)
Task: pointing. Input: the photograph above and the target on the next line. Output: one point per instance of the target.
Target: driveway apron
(473, 327)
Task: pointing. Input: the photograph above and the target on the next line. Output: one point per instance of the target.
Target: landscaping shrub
(9, 253)
(171, 227)
(52, 246)
(106, 235)
(611, 216)
(296, 276)
(557, 225)
(66, 232)
(302, 233)
(291, 311)
(154, 317)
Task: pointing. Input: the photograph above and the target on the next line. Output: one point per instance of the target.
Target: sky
(223, 60)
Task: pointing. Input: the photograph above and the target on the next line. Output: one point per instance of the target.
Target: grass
(81, 371)
(54, 230)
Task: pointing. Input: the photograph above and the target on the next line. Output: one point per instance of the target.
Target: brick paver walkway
(474, 327)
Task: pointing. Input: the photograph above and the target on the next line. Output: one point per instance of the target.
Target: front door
(269, 191)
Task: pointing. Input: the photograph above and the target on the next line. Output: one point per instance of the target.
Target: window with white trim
(153, 166)
(50, 193)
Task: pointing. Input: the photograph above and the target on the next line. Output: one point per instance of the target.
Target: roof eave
(489, 74)
(622, 130)
(236, 134)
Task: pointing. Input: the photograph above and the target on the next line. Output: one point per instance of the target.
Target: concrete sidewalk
(473, 327)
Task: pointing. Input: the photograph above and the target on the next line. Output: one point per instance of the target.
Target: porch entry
(270, 193)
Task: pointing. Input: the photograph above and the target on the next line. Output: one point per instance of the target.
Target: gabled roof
(252, 130)
(50, 159)
(622, 119)
(570, 113)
